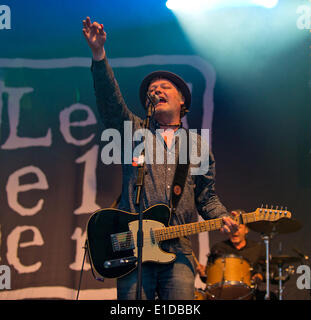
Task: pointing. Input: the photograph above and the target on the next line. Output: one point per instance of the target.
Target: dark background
(261, 124)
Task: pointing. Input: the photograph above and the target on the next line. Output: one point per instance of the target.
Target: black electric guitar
(112, 235)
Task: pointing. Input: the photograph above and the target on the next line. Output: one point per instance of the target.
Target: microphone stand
(138, 201)
(81, 272)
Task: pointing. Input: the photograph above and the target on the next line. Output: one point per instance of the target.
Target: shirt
(199, 195)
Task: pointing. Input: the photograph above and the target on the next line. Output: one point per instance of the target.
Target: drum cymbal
(283, 225)
(281, 259)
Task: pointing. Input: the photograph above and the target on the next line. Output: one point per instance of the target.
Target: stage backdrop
(52, 178)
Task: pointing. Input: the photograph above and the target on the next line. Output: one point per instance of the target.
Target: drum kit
(229, 276)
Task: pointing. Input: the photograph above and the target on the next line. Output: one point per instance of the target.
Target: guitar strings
(177, 231)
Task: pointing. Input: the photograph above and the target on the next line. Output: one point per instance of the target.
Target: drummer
(238, 245)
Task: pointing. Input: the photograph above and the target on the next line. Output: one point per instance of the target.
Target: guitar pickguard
(151, 250)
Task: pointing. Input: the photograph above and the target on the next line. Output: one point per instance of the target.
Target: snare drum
(229, 278)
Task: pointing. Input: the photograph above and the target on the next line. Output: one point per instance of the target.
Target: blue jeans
(172, 281)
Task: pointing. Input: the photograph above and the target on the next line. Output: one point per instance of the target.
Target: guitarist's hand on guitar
(230, 226)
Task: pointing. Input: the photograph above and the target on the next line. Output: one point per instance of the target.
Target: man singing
(174, 280)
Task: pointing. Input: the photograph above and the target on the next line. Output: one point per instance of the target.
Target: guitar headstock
(270, 214)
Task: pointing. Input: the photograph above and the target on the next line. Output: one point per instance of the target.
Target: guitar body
(108, 229)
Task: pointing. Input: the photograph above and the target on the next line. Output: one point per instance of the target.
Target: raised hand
(96, 37)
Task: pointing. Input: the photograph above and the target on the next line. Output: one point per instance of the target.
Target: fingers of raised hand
(86, 28)
(95, 26)
(101, 30)
(86, 23)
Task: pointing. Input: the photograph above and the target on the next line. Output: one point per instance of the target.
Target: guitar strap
(179, 180)
(116, 202)
(178, 184)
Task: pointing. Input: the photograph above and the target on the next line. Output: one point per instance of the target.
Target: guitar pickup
(122, 241)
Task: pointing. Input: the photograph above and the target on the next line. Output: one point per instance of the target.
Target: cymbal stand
(266, 239)
(280, 266)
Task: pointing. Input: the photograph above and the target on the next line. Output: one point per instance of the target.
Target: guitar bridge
(122, 241)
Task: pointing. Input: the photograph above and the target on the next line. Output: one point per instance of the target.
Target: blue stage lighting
(266, 3)
(202, 5)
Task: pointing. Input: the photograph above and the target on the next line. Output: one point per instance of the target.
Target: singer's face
(171, 99)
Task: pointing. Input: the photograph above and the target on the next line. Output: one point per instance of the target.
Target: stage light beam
(240, 38)
(266, 3)
(191, 6)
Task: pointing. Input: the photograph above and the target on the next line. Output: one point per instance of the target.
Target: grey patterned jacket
(199, 194)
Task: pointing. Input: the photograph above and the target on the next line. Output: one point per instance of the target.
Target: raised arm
(111, 105)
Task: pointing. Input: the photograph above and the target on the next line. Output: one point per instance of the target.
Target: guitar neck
(202, 226)
(187, 229)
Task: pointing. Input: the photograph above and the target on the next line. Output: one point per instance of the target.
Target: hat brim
(174, 78)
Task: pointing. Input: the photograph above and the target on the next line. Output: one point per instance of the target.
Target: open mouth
(162, 100)
(235, 236)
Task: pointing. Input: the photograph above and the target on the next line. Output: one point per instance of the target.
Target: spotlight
(186, 5)
(266, 3)
(202, 5)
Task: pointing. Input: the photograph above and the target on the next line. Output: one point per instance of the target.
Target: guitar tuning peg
(266, 206)
(281, 208)
(276, 207)
(271, 207)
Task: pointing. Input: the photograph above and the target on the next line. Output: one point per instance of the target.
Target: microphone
(119, 262)
(301, 254)
(153, 99)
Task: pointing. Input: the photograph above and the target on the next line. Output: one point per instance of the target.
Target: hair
(183, 111)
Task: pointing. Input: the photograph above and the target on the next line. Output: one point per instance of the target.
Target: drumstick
(208, 296)
(198, 264)
(195, 259)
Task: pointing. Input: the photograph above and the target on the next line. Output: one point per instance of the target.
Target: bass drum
(229, 278)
